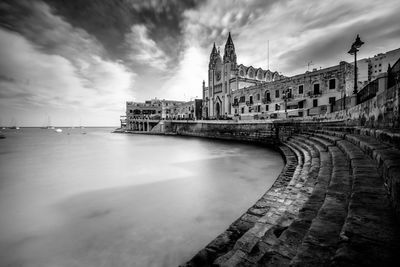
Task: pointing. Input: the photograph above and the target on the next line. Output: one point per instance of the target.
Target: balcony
(235, 104)
(312, 94)
(249, 103)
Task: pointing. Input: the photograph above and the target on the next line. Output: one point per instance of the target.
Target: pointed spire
(229, 41)
(229, 55)
(214, 50)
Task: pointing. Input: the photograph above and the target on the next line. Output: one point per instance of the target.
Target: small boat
(58, 130)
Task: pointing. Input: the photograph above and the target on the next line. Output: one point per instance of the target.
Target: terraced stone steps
(370, 234)
(272, 203)
(332, 210)
(277, 231)
(322, 239)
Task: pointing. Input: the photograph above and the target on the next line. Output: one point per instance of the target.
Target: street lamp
(353, 51)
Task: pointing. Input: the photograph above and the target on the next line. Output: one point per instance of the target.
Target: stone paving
(334, 204)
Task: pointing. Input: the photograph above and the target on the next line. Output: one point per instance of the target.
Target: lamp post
(353, 51)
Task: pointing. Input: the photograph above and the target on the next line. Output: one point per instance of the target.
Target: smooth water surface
(87, 197)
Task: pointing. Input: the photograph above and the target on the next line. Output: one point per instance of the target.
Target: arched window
(251, 74)
(259, 75)
(267, 96)
(241, 73)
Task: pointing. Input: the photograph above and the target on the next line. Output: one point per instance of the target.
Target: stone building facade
(248, 92)
(150, 109)
(191, 110)
(370, 68)
(225, 76)
(307, 94)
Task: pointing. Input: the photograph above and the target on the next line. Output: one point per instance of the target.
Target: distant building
(370, 68)
(191, 110)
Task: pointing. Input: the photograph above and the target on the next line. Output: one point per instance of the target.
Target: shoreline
(225, 241)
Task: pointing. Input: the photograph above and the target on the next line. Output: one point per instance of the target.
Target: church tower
(214, 78)
(230, 67)
(229, 55)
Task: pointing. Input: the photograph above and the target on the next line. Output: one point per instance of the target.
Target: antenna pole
(268, 54)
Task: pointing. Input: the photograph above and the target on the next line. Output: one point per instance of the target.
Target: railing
(369, 91)
(394, 74)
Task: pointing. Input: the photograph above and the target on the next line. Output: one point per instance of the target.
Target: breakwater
(335, 202)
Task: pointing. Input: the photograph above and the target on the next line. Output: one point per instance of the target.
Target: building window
(315, 103)
(289, 93)
(242, 110)
(242, 99)
(258, 96)
(301, 104)
(267, 96)
(236, 111)
(332, 83)
(266, 107)
(276, 93)
(277, 107)
(332, 100)
(301, 89)
(130, 111)
(316, 89)
(258, 108)
(251, 99)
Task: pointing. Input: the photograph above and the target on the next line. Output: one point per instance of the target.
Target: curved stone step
(226, 240)
(281, 251)
(303, 141)
(322, 239)
(256, 242)
(370, 235)
(332, 139)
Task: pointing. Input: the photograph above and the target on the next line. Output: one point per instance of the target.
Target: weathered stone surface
(329, 207)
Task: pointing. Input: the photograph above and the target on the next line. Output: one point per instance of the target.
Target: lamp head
(358, 43)
(353, 50)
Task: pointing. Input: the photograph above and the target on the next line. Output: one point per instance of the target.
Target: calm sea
(87, 197)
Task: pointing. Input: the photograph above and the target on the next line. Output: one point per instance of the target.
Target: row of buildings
(236, 91)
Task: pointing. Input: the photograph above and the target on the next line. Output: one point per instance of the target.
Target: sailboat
(14, 124)
(81, 127)
(48, 127)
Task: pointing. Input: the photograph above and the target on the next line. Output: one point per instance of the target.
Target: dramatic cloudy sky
(78, 61)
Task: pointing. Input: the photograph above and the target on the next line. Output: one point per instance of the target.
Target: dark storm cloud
(110, 20)
(211, 22)
(330, 48)
(96, 54)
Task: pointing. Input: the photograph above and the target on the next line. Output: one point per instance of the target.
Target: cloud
(50, 65)
(186, 82)
(298, 31)
(144, 50)
(94, 55)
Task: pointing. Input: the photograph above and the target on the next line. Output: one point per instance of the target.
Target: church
(226, 76)
(249, 93)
